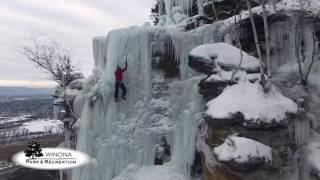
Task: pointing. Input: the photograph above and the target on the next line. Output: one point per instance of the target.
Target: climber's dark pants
(119, 84)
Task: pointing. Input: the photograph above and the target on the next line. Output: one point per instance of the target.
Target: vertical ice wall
(116, 135)
(187, 105)
(200, 7)
(185, 5)
(112, 133)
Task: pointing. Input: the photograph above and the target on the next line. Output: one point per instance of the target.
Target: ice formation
(242, 150)
(164, 172)
(119, 135)
(121, 138)
(314, 156)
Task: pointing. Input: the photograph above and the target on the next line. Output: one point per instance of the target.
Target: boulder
(211, 58)
(246, 102)
(202, 65)
(242, 153)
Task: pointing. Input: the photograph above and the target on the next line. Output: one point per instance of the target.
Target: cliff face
(156, 124)
(192, 109)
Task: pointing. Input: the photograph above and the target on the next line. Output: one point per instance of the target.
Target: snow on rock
(250, 100)
(226, 76)
(242, 150)
(223, 55)
(220, 77)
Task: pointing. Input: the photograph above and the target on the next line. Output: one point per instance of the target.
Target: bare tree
(300, 52)
(265, 80)
(267, 37)
(256, 40)
(51, 57)
(214, 10)
(236, 32)
(301, 28)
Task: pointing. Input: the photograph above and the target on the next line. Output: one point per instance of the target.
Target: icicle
(185, 4)
(300, 128)
(303, 167)
(168, 4)
(187, 105)
(183, 43)
(299, 131)
(200, 7)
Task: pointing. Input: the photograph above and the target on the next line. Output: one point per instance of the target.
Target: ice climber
(119, 83)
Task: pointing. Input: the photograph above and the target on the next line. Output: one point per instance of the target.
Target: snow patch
(250, 99)
(225, 55)
(43, 125)
(226, 76)
(242, 150)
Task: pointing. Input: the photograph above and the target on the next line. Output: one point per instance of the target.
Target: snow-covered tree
(155, 13)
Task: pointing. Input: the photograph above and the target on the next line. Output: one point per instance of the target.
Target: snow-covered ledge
(243, 153)
(259, 109)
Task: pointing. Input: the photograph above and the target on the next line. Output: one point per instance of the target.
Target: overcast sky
(72, 22)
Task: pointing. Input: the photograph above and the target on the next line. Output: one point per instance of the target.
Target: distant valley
(24, 91)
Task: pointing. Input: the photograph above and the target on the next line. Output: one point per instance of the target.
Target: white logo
(52, 159)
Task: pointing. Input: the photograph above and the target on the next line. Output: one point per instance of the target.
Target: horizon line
(28, 83)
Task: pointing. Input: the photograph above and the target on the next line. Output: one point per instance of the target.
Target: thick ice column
(99, 46)
(185, 4)
(187, 104)
(168, 4)
(118, 134)
(161, 7)
(200, 7)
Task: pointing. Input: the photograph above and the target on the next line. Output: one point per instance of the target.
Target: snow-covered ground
(26, 126)
(27, 122)
(43, 125)
(9, 119)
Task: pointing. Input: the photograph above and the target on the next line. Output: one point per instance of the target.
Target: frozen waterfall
(123, 136)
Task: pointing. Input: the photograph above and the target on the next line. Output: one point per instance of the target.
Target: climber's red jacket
(119, 72)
